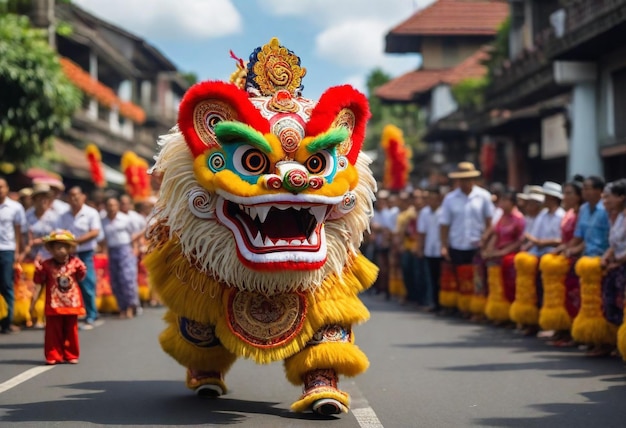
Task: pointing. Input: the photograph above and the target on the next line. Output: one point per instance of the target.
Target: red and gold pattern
(266, 322)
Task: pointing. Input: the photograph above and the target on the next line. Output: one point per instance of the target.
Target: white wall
(442, 103)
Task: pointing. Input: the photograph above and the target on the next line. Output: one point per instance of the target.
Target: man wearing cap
(466, 214)
(12, 221)
(545, 234)
(85, 224)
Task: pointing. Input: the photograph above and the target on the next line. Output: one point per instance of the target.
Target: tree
(37, 99)
(403, 115)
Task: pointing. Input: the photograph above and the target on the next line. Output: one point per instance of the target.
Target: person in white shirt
(545, 234)
(120, 233)
(466, 215)
(12, 222)
(84, 223)
(429, 242)
(56, 189)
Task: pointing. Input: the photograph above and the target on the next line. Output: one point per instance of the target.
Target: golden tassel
(590, 326)
(621, 338)
(497, 308)
(524, 309)
(553, 314)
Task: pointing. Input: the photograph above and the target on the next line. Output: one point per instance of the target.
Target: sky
(338, 41)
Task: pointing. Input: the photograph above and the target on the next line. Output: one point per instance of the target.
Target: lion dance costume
(254, 239)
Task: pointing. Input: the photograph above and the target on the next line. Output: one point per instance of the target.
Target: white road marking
(360, 408)
(23, 377)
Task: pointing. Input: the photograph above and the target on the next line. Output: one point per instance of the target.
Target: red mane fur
(330, 104)
(242, 110)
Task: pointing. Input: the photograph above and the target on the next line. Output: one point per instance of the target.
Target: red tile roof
(455, 18)
(406, 87)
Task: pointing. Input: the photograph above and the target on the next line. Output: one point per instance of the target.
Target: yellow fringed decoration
(192, 294)
(306, 401)
(23, 292)
(465, 275)
(621, 338)
(478, 304)
(524, 309)
(345, 358)
(590, 326)
(448, 293)
(553, 314)
(107, 304)
(396, 285)
(498, 307)
(4, 309)
(216, 358)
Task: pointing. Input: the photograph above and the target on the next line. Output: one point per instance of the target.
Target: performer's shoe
(328, 406)
(209, 384)
(320, 394)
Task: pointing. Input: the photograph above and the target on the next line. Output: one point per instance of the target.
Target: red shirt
(509, 228)
(63, 296)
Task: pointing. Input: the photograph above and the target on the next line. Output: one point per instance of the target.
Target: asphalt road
(426, 371)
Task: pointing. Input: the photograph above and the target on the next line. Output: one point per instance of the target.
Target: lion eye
(321, 163)
(251, 161)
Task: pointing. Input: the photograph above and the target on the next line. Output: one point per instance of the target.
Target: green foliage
(37, 99)
(404, 116)
(500, 47)
(470, 93)
(190, 77)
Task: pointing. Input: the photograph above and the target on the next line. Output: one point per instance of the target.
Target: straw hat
(532, 193)
(40, 188)
(50, 181)
(465, 170)
(64, 236)
(550, 188)
(26, 191)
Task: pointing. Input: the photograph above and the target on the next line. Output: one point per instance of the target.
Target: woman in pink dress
(572, 200)
(504, 244)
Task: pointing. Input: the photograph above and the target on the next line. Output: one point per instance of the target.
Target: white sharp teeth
(296, 242)
(258, 241)
(305, 242)
(319, 212)
(282, 242)
(252, 212)
(268, 242)
(283, 207)
(313, 238)
(262, 211)
(296, 207)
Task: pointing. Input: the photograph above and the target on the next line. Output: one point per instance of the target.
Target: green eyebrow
(330, 138)
(237, 132)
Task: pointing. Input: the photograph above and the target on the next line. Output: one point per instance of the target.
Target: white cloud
(353, 31)
(358, 81)
(330, 12)
(168, 19)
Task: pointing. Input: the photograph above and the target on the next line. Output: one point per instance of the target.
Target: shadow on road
(141, 403)
(598, 412)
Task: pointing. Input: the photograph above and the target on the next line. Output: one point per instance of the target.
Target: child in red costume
(59, 275)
